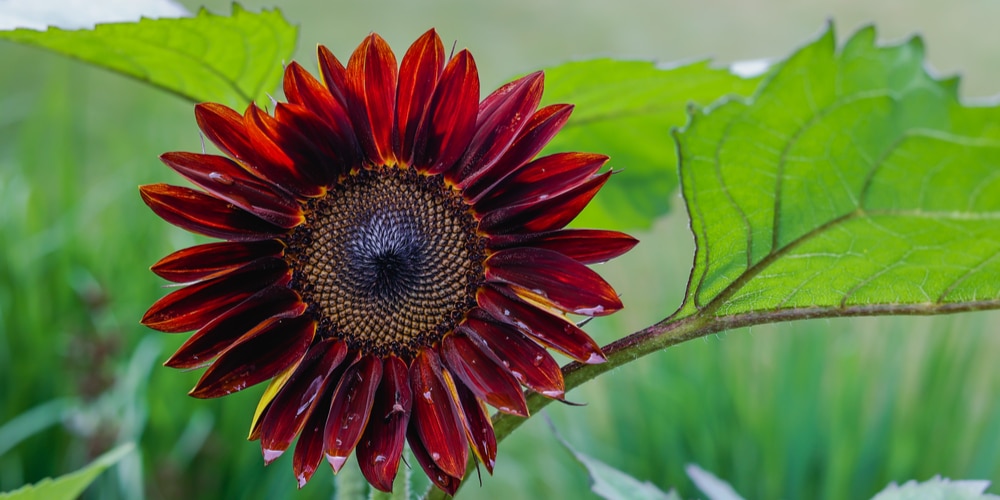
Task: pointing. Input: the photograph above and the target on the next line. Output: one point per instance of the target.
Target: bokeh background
(818, 409)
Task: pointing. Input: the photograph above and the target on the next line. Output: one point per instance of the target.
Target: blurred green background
(820, 409)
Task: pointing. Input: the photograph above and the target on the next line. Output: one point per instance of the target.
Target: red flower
(394, 259)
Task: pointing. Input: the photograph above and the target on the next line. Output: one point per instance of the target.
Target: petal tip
(336, 461)
(271, 455)
(556, 394)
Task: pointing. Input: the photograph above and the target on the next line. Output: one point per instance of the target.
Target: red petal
(440, 478)
(193, 306)
(309, 449)
(225, 128)
(285, 157)
(312, 140)
(211, 259)
(527, 361)
(502, 116)
(226, 329)
(541, 128)
(334, 75)
(587, 246)
(544, 215)
(484, 374)
(371, 79)
(205, 214)
(479, 428)
(543, 178)
(381, 446)
(556, 279)
(302, 89)
(451, 116)
(438, 422)
(291, 407)
(259, 355)
(352, 405)
(418, 76)
(226, 180)
(553, 331)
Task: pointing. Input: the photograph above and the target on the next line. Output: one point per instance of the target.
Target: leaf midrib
(716, 302)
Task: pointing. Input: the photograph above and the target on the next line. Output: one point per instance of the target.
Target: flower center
(389, 260)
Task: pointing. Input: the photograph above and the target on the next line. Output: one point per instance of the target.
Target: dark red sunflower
(394, 259)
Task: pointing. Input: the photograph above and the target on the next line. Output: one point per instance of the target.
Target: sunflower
(394, 259)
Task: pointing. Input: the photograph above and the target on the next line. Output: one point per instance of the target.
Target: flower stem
(648, 340)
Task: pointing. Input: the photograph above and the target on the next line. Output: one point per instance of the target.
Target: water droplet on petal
(590, 311)
(336, 461)
(435, 456)
(427, 396)
(221, 178)
(380, 458)
(271, 455)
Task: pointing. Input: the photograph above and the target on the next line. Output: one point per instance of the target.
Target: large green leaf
(71, 485)
(625, 109)
(227, 59)
(853, 182)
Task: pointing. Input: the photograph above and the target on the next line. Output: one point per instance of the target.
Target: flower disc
(389, 260)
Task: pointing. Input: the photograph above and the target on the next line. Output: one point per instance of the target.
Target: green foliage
(937, 488)
(69, 486)
(625, 109)
(612, 484)
(713, 487)
(227, 59)
(851, 183)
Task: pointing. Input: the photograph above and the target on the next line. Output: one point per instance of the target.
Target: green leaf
(69, 486)
(625, 109)
(613, 484)
(713, 487)
(227, 59)
(852, 183)
(937, 488)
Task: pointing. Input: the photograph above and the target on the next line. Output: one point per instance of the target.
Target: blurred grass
(823, 409)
